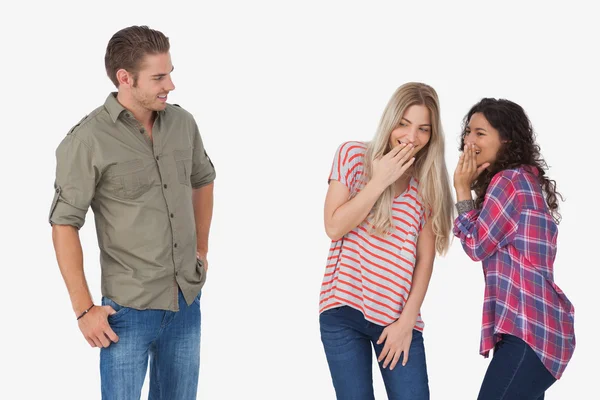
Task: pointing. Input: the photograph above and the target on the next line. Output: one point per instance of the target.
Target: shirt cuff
(198, 182)
(63, 213)
(464, 223)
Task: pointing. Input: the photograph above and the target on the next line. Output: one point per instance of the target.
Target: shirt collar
(115, 108)
(531, 169)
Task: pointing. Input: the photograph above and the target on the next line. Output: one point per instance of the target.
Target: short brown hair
(128, 47)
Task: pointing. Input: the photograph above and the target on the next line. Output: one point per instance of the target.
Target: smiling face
(145, 91)
(153, 82)
(484, 137)
(414, 128)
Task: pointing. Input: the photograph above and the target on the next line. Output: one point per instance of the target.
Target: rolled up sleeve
(203, 170)
(483, 232)
(75, 183)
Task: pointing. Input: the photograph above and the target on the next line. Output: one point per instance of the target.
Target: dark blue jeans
(515, 373)
(347, 338)
(171, 340)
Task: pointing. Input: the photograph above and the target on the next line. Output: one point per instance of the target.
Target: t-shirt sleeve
(426, 213)
(347, 164)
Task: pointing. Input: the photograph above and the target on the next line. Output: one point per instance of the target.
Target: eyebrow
(477, 129)
(161, 75)
(429, 125)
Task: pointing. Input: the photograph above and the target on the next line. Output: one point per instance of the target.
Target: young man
(139, 162)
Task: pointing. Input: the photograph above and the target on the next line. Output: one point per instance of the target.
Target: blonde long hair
(429, 167)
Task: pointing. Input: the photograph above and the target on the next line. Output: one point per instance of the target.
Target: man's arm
(94, 324)
(202, 180)
(202, 199)
(70, 261)
(76, 177)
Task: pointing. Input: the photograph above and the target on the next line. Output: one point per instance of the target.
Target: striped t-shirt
(372, 274)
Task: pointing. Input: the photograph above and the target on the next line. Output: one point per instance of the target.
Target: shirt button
(175, 245)
(157, 157)
(165, 185)
(469, 235)
(57, 190)
(142, 130)
(127, 115)
(172, 215)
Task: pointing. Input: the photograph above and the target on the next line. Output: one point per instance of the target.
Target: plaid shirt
(514, 236)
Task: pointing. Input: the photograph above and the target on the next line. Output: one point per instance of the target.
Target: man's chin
(159, 107)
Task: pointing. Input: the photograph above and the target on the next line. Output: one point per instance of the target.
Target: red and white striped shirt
(372, 274)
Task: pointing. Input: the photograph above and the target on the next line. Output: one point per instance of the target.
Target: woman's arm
(483, 232)
(398, 335)
(343, 214)
(421, 274)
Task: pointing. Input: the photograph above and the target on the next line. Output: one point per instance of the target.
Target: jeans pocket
(201, 271)
(334, 310)
(417, 339)
(120, 310)
(197, 299)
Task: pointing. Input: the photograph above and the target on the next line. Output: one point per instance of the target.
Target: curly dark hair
(518, 148)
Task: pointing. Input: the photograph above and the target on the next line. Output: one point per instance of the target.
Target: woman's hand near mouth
(466, 172)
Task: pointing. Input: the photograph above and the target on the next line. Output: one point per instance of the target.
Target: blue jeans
(347, 338)
(515, 373)
(170, 339)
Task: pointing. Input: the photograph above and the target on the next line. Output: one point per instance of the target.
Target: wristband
(85, 312)
(464, 206)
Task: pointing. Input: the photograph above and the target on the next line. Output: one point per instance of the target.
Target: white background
(275, 87)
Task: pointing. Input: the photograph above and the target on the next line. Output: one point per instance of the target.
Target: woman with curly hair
(511, 227)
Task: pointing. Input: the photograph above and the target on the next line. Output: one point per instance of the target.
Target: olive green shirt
(141, 193)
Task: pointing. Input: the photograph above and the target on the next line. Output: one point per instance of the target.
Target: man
(139, 162)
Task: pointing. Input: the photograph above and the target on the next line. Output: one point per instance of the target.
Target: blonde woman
(388, 211)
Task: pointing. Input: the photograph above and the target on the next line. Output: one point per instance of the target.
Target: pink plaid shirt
(514, 236)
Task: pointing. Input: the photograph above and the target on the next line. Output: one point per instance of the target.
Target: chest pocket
(128, 180)
(409, 247)
(183, 161)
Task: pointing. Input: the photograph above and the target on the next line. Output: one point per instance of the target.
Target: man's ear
(124, 78)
